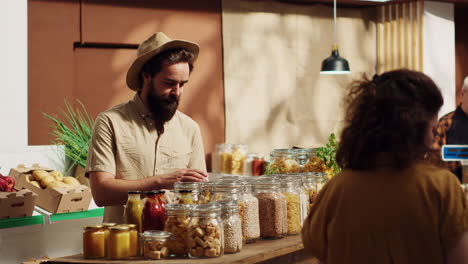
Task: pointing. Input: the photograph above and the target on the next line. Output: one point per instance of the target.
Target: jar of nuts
(177, 223)
(155, 244)
(248, 211)
(232, 226)
(205, 231)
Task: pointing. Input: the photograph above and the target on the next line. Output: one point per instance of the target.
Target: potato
(39, 174)
(35, 183)
(71, 181)
(57, 184)
(46, 180)
(57, 175)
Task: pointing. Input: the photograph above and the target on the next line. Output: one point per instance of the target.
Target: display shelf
(53, 218)
(21, 221)
(262, 250)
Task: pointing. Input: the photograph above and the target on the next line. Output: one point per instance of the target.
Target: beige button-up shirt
(125, 142)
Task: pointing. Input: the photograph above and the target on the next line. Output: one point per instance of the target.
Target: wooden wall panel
(461, 47)
(97, 76)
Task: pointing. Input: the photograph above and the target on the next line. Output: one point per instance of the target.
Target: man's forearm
(110, 191)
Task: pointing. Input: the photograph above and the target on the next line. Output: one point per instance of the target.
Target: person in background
(453, 129)
(146, 144)
(389, 205)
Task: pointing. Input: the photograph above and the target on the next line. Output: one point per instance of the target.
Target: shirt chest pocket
(174, 158)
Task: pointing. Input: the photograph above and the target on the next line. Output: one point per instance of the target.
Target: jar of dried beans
(232, 227)
(272, 209)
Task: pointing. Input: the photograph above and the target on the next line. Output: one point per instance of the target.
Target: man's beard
(163, 108)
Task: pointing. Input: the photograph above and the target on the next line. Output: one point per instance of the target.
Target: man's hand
(184, 175)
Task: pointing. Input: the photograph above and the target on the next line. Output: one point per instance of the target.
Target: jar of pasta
(239, 152)
(283, 161)
(156, 244)
(177, 223)
(226, 191)
(94, 242)
(272, 209)
(291, 191)
(118, 242)
(206, 190)
(205, 231)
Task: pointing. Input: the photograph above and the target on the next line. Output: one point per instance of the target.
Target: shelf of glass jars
(42, 217)
(262, 250)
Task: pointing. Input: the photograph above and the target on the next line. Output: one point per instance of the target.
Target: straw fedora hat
(155, 44)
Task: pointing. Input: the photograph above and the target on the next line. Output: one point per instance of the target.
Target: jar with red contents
(154, 211)
(257, 165)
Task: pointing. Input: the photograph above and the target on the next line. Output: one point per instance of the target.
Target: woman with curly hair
(388, 205)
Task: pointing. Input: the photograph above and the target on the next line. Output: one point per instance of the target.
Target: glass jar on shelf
(154, 211)
(283, 161)
(177, 223)
(221, 158)
(187, 192)
(134, 250)
(249, 158)
(291, 191)
(226, 191)
(272, 209)
(314, 164)
(118, 242)
(232, 226)
(206, 191)
(94, 242)
(156, 244)
(239, 152)
(205, 231)
(258, 165)
(134, 210)
(248, 211)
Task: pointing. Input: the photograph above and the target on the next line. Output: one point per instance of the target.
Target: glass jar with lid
(309, 182)
(239, 152)
(134, 250)
(248, 211)
(272, 209)
(315, 164)
(187, 192)
(232, 226)
(177, 223)
(106, 226)
(258, 165)
(206, 235)
(118, 242)
(291, 188)
(226, 191)
(154, 211)
(94, 242)
(222, 158)
(249, 158)
(206, 191)
(134, 210)
(283, 161)
(155, 244)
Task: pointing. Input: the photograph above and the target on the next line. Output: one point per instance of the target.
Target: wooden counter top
(251, 253)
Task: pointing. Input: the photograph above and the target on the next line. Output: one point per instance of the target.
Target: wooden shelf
(260, 251)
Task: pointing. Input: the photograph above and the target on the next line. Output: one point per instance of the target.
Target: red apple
(3, 185)
(10, 183)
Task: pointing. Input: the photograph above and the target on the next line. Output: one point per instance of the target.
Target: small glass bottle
(272, 209)
(94, 242)
(154, 211)
(232, 227)
(248, 211)
(118, 242)
(205, 231)
(155, 244)
(134, 210)
(177, 223)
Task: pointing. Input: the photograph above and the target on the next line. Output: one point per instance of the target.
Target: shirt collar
(140, 107)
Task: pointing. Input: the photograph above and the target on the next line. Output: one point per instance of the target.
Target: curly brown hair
(388, 115)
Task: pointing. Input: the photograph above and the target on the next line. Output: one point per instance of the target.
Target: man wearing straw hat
(146, 144)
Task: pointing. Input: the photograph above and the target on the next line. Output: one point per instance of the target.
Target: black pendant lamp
(335, 64)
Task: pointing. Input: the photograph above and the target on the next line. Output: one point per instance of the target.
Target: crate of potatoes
(56, 193)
